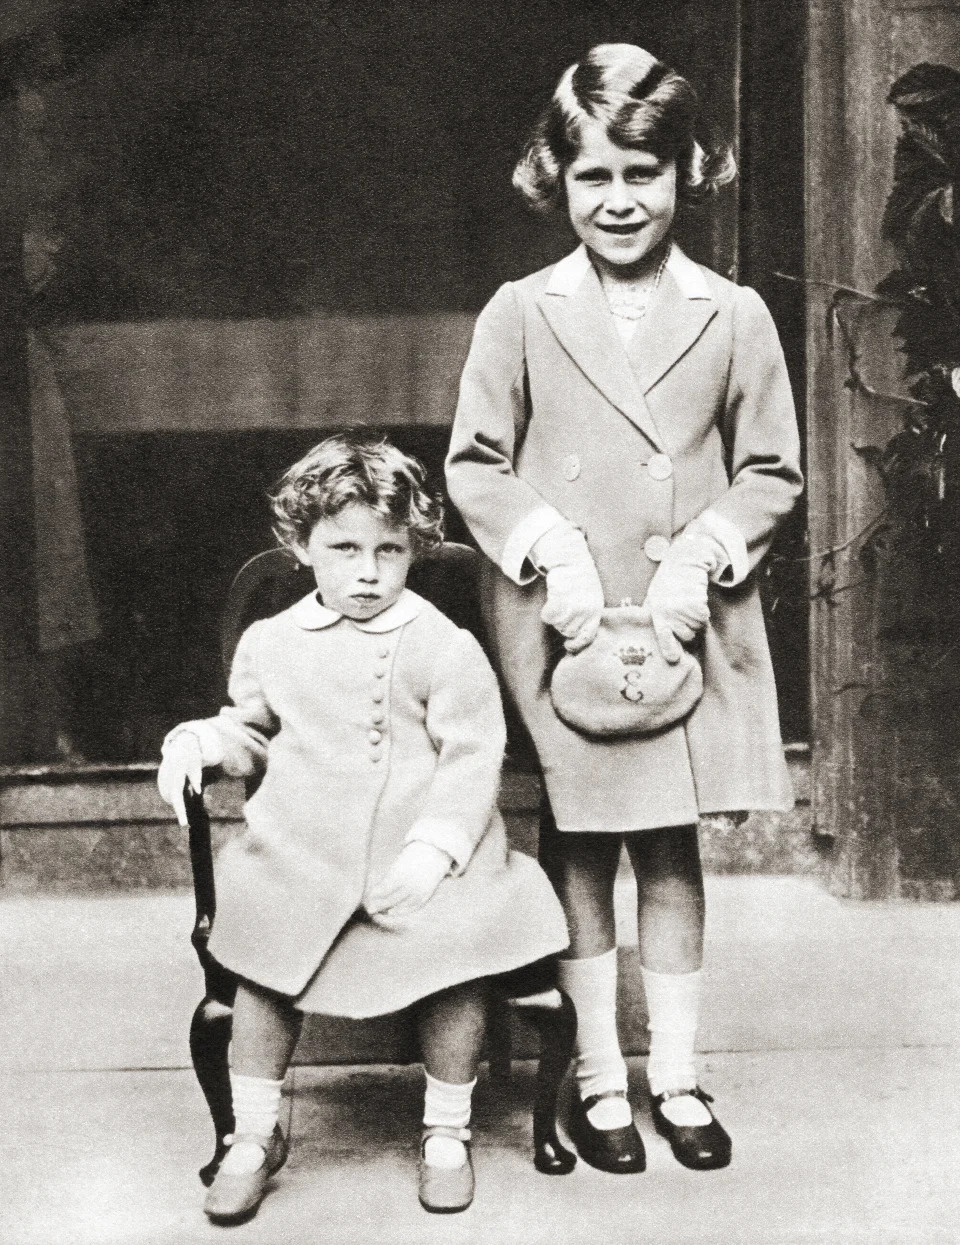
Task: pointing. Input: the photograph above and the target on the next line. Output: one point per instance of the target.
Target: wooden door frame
(866, 773)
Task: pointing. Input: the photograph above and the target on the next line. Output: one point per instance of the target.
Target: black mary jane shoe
(701, 1147)
(618, 1150)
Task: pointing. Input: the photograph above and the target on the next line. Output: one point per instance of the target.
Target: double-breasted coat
(692, 419)
(368, 735)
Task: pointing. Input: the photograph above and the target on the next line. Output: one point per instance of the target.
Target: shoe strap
(231, 1139)
(698, 1093)
(445, 1130)
(591, 1102)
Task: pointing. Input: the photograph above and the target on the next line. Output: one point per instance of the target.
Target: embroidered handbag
(621, 684)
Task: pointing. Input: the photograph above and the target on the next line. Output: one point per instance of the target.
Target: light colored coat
(371, 734)
(693, 419)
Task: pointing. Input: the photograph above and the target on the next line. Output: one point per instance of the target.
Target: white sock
(446, 1104)
(673, 1005)
(592, 986)
(256, 1108)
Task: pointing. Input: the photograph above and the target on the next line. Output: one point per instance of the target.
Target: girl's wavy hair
(642, 103)
(346, 469)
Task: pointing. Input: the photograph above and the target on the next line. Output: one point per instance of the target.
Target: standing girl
(374, 871)
(626, 429)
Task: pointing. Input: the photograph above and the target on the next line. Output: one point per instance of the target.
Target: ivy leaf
(946, 203)
(872, 455)
(920, 465)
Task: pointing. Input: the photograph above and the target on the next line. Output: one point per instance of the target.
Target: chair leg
(555, 1019)
(499, 1040)
(209, 1041)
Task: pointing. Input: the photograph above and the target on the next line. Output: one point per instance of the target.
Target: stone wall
(107, 829)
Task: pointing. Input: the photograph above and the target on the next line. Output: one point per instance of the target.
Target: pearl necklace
(629, 300)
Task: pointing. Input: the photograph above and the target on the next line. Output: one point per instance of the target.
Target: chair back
(271, 581)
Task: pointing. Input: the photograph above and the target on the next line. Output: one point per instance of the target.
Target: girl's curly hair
(642, 103)
(347, 469)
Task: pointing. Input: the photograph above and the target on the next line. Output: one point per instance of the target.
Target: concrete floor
(831, 1031)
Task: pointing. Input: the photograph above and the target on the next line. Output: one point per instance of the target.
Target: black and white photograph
(480, 622)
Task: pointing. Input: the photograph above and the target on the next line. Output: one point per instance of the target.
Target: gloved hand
(182, 760)
(409, 883)
(676, 601)
(574, 592)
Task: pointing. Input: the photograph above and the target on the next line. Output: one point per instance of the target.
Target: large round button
(656, 548)
(378, 696)
(379, 674)
(377, 719)
(375, 736)
(376, 756)
(383, 653)
(660, 467)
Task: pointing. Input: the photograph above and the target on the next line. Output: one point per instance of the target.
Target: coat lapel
(576, 311)
(680, 310)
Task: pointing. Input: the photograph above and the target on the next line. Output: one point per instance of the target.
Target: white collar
(570, 271)
(312, 616)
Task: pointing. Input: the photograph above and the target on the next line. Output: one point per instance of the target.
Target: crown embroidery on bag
(633, 658)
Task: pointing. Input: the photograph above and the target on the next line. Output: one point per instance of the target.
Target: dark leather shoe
(609, 1149)
(702, 1147)
(232, 1198)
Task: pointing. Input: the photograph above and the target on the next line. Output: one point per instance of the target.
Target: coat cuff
(730, 539)
(211, 744)
(447, 837)
(515, 562)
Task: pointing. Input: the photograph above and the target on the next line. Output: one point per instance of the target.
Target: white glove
(409, 883)
(676, 601)
(182, 760)
(574, 592)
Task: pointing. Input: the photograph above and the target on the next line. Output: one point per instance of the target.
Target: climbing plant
(906, 554)
(920, 462)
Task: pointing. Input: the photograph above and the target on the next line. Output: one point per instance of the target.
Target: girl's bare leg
(265, 1031)
(670, 923)
(670, 905)
(583, 868)
(451, 1025)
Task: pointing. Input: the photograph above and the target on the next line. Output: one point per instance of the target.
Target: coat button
(377, 719)
(378, 696)
(571, 467)
(660, 467)
(383, 653)
(379, 674)
(656, 548)
(375, 736)
(376, 756)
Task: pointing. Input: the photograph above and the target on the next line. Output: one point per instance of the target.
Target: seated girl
(374, 871)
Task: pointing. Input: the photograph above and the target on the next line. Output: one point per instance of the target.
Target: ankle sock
(673, 1005)
(446, 1104)
(256, 1108)
(592, 986)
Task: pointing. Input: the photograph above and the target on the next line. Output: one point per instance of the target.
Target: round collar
(310, 614)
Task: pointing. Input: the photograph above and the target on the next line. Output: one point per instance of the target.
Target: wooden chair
(265, 585)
